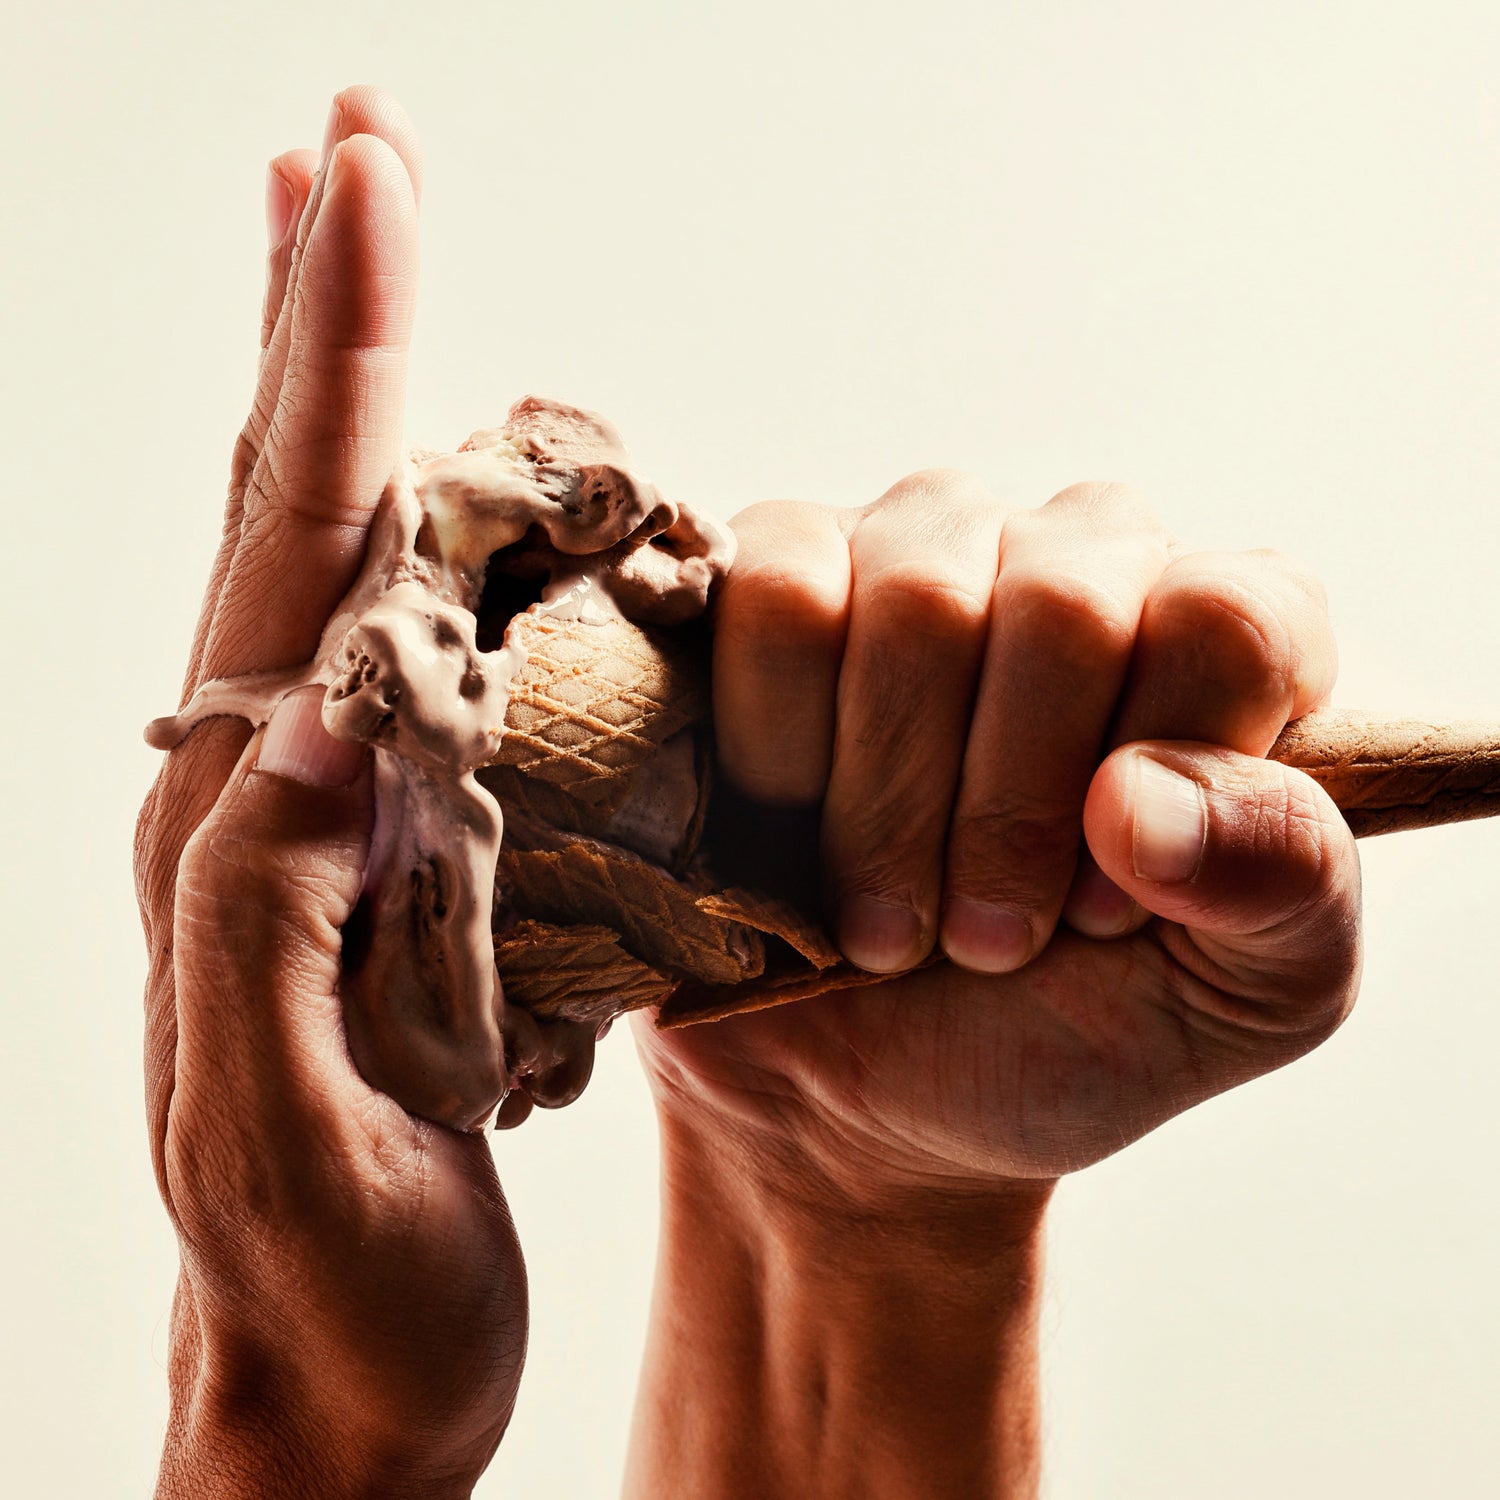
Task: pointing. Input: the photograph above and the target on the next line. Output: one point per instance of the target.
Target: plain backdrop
(1243, 257)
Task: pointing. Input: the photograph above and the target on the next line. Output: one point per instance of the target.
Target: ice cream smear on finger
(533, 535)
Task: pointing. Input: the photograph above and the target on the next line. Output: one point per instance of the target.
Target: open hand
(351, 1310)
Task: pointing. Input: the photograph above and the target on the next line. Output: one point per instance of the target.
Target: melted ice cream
(403, 673)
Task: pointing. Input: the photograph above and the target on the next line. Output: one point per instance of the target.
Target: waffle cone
(578, 973)
(594, 702)
(609, 924)
(1388, 775)
(588, 926)
(657, 917)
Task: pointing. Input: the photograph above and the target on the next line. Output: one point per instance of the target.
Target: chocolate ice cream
(544, 521)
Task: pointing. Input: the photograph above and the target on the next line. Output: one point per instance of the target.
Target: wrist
(799, 1174)
(839, 1332)
(237, 1454)
(244, 1424)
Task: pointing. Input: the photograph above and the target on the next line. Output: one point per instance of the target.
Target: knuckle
(1236, 634)
(162, 828)
(1108, 503)
(888, 873)
(1070, 614)
(253, 888)
(878, 846)
(146, 855)
(1274, 560)
(937, 486)
(1293, 574)
(932, 513)
(781, 603)
(1015, 850)
(932, 600)
(246, 451)
(774, 517)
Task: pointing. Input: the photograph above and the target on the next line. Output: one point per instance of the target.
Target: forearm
(804, 1345)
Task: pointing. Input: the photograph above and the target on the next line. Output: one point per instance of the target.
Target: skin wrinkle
(918, 598)
(1270, 668)
(295, 171)
(275, 353)
(1240, 644)
(1098, 506)
(1079, 619)
(886, 691)
(1021, 832)
(322, 896)
(276, 495)
(930, 511)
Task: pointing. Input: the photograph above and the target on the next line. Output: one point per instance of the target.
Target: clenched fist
(1032, 743)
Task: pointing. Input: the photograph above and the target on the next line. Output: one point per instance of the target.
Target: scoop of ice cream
(414, 682)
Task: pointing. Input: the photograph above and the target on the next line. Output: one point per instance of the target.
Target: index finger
(335, 435)
(359, 110)
(332, 441)
(779, 626)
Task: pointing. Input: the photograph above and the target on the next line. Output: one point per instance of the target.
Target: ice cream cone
(620, 904)
(1387, 775)
(606, 899)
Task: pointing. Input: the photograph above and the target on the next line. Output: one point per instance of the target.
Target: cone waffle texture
(1387, 775)
(582, 973)
(594, 702)
(585, 927)
(582, 880)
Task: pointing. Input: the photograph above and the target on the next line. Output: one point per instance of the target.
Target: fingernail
(298, 747)
(1096, 906)
(279, 201)
(878, 935)
(1171, 823)
(990, 939)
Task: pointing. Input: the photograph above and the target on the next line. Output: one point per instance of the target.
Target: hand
(351, 1309)
(1034, 739)
(1119, 940)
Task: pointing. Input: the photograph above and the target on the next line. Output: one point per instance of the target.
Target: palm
(1026, 1075)
(344, 1204)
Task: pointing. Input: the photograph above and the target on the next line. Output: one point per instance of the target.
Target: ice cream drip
(552, 501)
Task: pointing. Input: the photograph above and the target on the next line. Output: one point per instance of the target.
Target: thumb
(1253, 860)
(264, 887)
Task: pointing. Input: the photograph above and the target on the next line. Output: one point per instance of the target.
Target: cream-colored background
(1243, 256)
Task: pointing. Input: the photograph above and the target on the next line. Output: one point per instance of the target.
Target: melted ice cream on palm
(403, 673)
